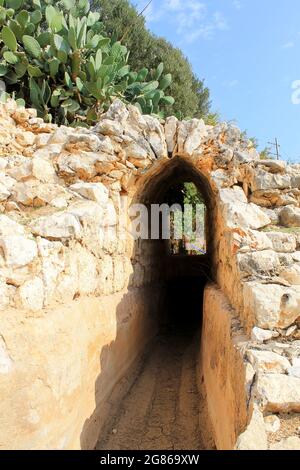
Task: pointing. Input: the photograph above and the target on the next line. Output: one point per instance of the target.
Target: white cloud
(288, 45)
(237, 4)
(190, 18)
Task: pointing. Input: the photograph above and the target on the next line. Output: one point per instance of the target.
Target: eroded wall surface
(74, 292)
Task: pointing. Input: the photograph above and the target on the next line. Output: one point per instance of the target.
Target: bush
(57, 59)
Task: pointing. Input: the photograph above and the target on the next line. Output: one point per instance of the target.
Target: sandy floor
(162, 408)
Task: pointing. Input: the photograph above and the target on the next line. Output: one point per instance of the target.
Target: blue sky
(248, 51)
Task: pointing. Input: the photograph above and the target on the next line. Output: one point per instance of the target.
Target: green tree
(121, 21)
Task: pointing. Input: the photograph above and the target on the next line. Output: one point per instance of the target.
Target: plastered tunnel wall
(79, 302)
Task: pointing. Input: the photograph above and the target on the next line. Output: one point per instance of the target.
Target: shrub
(57, 59)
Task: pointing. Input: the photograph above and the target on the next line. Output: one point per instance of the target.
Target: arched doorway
(164, 408)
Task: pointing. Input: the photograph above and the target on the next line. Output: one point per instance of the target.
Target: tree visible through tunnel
(164, 407)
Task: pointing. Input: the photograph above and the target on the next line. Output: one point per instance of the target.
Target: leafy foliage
(122, 22)
(55, 57)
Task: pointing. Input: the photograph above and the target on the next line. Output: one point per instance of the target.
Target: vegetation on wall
(55, 57)
(122, 21)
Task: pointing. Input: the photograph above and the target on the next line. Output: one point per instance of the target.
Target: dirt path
(161, 410)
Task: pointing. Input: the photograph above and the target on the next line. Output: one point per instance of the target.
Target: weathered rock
(278, 393)
(94, 191)
(272, 423)
(190, 136)
(291, 443)
(18, 250)
(275, 166)
(283, 242)
(261, 262)
(290, 216)
(156, 137)
(57, 226)
(238, 213)
(109, 127)
(267, 361)
(291, 274)
(261, 336)
(171, 133)
(274, 305)
(255, 437)
(263, 180)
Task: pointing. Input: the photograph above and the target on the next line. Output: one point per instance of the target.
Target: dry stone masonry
(62, 280)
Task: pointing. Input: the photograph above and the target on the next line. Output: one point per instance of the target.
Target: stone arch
(59, 189)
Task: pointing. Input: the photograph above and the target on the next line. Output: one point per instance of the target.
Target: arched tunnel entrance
(164, 408)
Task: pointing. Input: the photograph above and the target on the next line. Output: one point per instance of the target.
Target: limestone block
(86, 141)
(278, 393)
(41, 140)
(261, 336)
(259, 262)
(94, 191)
(190, 136)
(171, 133)
(57, 226)
(291, 443)
(283, 242)
(267, 361)
(238, 213)
(263, 180)
(117, 112)
(18, 250)
(274, 166)
(109, 127)
(34, 194)
(80, 164)
(31, 295)
(290, 216)
(9, 227)
(274, 306)
(156, 137)
(43, 170)
(49, 152)
(135, 151)
(255, 437)
(291, 274)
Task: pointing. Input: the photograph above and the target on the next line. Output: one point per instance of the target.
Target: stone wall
(66, 267)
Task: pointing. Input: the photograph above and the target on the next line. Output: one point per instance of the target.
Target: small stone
(272, 423)
(261, 336)
(290, 331)
(255, 436)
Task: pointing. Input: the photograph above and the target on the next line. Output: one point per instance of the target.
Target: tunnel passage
(183, 264)
(164, 408)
